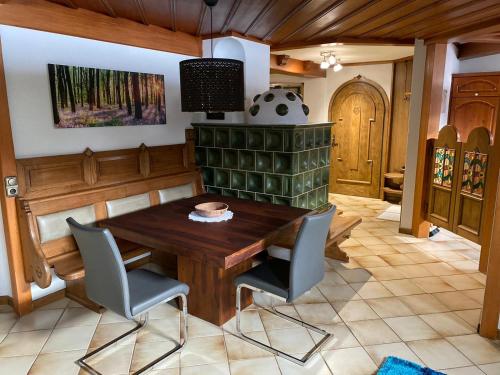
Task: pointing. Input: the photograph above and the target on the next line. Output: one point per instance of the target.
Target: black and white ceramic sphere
(277, 106)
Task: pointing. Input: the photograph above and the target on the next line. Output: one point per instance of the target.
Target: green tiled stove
(281, 164)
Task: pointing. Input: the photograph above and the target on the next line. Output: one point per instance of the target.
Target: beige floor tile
(350, 242)
(358, 251)
(433, 284)
(382, 249)
(491, 368)
(350, 361)
(7, 321)
(332, 279)
(342, 336)
(448, 324)
(405, 248)
(164, 311)
(420, 257)
(357, 275)
(147, 352)
(481, 277)
(317, 313)
(272, 321)
(373, 332)
(410, 328)
(255, 366)
(371, 261)
(238, 348)
(115, 360)
(59, 304)
(385, 273)
(23, 343)
(372, 240)
(413, 270)
(424, 304)
(315, 366)
(478, 349)
(399, 349)
(38, 319)
(339, 293)
(57, 363)
(438, 354)
(472, 317)
(107, 332)
(476, 294)
(402, 287)
(16, 365)
(203, 350)
(109, 316)
(434, 246)
(449, 256)
(465, 266)
(397, 259)
(371, 290)
(440, 269)
(457, 301)
(214, 369)
(200, 328)
(462, 282)
(354, 310)
(291, 340)
(469, 370)
(312, 296)
(389, 307)
(78, 316)
(71, 338)
(160, 330)
(250, 321)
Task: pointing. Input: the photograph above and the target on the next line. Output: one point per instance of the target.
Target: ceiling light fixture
(337, 67)
(324, 64)
(332, 59)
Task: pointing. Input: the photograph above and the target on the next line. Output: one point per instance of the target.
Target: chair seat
(148, 289)
(271, 276)
(279, 252)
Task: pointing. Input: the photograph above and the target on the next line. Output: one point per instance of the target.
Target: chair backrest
(105, 276)
(307, 263)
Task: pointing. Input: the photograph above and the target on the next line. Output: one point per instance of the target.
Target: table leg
(212, 295)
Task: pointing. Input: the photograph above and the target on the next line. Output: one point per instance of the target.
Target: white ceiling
(350, 53)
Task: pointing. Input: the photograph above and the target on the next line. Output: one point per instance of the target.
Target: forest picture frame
(93, 97)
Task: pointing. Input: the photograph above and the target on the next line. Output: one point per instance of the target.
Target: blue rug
(398, 366)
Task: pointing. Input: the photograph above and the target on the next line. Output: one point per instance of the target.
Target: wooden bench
(92, 187)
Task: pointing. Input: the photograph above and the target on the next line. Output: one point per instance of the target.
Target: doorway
(359, 110)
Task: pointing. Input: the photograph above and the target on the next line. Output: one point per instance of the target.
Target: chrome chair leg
(141, 324)
(300, 361)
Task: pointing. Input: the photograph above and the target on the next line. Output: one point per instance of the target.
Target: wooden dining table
(209, 255)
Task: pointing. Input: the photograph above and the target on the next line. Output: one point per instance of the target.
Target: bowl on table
(211, 209)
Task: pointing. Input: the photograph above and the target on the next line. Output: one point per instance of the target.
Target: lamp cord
(211, 36)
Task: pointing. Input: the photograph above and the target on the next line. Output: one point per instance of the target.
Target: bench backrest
(92, 187)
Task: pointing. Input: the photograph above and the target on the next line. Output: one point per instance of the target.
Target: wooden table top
(225, 244)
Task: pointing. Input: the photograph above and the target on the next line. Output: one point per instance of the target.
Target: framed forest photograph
(91, 97)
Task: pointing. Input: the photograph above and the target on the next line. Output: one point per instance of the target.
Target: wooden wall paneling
(443, 189)
(491, 305)
(469, 204)
(296, 67)
(429, 127)
(46, 16)
(21, 292)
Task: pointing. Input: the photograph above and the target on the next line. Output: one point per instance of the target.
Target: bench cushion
(54, 226)
(176, 192)
(123, 206)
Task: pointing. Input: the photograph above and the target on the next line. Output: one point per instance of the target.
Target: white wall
(318, 91)
(452, 65)
(5, 288)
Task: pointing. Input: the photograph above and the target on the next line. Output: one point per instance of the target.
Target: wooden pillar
(429, 127)
(21, 292)
(491, 304)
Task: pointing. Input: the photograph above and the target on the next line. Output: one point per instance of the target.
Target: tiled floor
(402, 296)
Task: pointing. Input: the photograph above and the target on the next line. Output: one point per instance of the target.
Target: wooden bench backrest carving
(86, 183)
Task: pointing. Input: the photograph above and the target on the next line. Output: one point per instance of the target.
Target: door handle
(369, 161)
(334, 143)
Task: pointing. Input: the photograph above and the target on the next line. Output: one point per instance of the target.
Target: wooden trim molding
(6, 300)
(44, 16)
(429, 128)
(295, 67)
(474, 50)
(21, 291)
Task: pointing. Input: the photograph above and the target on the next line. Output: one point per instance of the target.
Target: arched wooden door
(359, 111)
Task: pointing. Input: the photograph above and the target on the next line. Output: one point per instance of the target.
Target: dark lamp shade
(212, 85)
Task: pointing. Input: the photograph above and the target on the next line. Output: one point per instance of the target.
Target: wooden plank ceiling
(292, 23)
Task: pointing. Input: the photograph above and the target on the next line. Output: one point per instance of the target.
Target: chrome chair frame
(299, 361)
(141, 324)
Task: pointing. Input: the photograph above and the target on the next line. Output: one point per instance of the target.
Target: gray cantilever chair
(288, 280)
(129, 294)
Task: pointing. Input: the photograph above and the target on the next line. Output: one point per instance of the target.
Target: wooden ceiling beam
(307, 24)
(109, 9)
(296, 67)
(343, 40)
(55, 18)
(140, 8)
(265, 9)
(173, 15)
(230, 16)
(342, 20)
(473, 50)
(71, 4)
(292, 13)
(456, 35)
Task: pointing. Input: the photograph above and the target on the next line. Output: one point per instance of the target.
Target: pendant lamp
(212, 84)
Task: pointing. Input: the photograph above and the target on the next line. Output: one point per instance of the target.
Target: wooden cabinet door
(476, 86)
(358, 112)
(467, 114)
